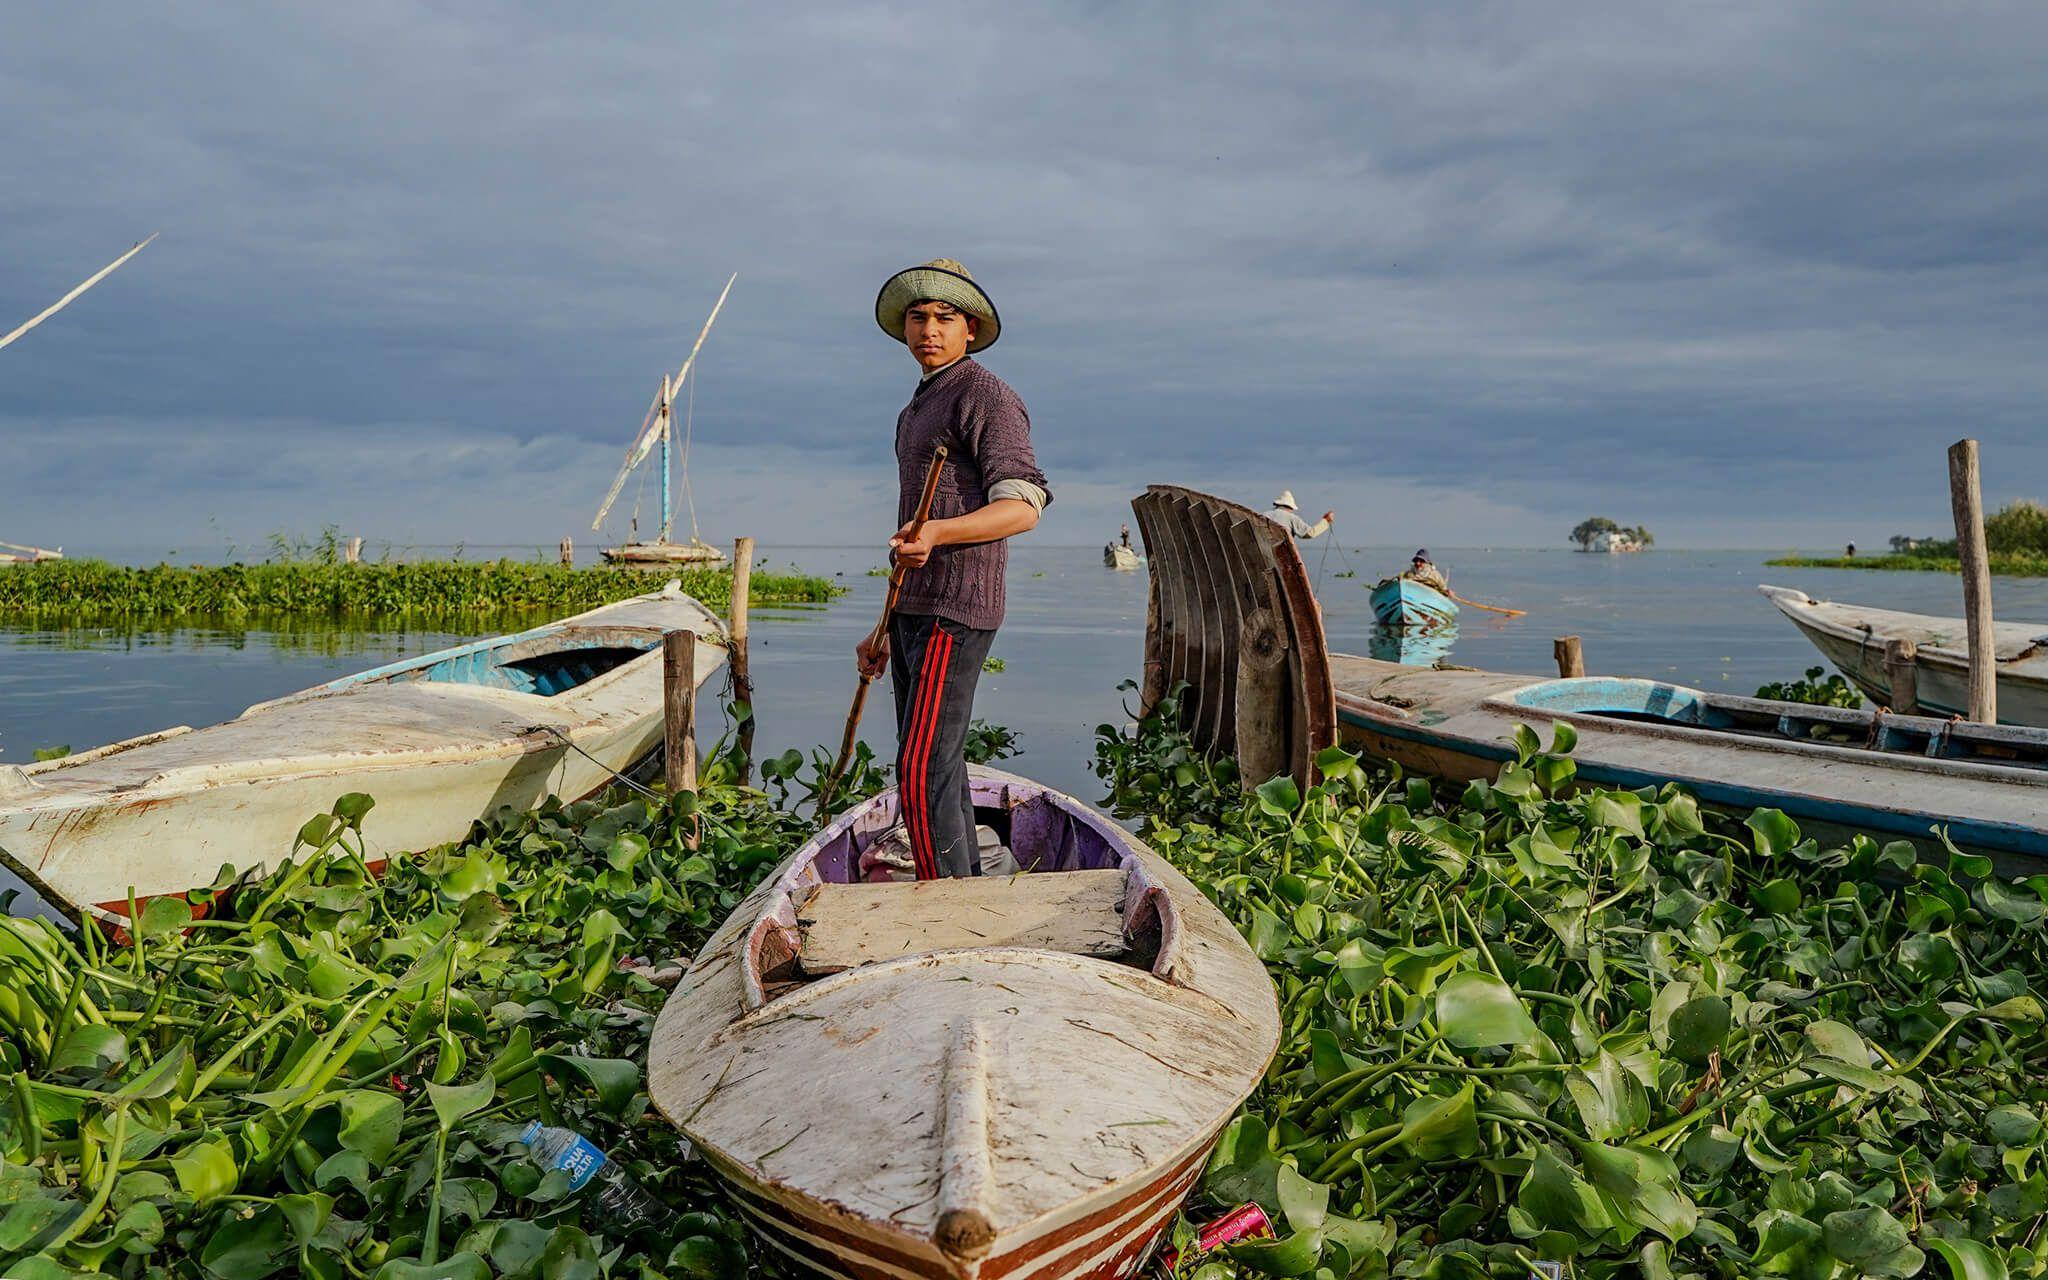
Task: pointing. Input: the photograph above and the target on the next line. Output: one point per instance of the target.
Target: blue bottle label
(581, 1159)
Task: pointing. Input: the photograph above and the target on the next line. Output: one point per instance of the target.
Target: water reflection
(1412, 646)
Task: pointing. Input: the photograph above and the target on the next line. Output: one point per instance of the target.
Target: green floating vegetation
(1606, 1029)
(2016, 537)
(75, 589)
(2010, 566)
(1831, 691)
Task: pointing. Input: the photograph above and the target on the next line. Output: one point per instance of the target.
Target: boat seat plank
(841, 926)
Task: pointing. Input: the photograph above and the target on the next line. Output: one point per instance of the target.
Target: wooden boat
(1015, 1076)
(657, 431)
(1412, 646)
(1863, 770)
(438, 741)
(1404, 602)
(1853, 638)
(1118, 556)
(16, 553)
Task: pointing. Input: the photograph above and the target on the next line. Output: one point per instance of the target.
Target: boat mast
(667, 430)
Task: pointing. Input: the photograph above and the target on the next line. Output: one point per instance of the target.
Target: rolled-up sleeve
(1004, 454)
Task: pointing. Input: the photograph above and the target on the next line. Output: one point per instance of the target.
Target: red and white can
(1246, 1222)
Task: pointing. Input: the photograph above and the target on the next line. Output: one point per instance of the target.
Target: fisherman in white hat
(1284, 515)
(948, 612)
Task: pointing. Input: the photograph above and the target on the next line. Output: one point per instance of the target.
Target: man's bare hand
(872, 655)
(912, 550)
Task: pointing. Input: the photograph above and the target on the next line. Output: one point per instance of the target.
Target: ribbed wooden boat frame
(1232, 615)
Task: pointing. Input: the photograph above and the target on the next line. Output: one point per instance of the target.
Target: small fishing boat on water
(17, 553)
(1015, 1076)
(1117, 556)
(438, 741)
(1404, 602)
(1862, 770)
(1853, 637)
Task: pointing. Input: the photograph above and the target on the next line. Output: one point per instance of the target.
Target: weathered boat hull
(1853, 639)
(659, 555)
(1121, 557)
(1063, 1104)
(164, 813)
(1400, 602)
(1459, 724)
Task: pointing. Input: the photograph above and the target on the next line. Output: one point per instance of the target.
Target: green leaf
(1831, 1039)
(206, 1169)
(454, 1102)
(159, 1078)
(516, 1246)
(1564, 738)
(1437, 1128)
(1610, 1100)
(1304, 1201)
(248, 1248)
(370, 1123)
(1779, 897)
(1772, 832)
(91, 1049)
(164, 914)
(1643, 1183)
(1556, 1197)
(1279, 796)
(1268, 935)
(1968, 1259)
(614, 1080)
(626, 850)
(353, 807)
(1527, 744)
(569, 1256)
(1243, 1166)
(1617, 810)
(460, 1266)
(1297, 1255)
(1872, 1241)
(1476, 1010)
(1698, 1029)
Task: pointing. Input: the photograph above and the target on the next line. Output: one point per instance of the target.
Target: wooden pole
(679, 710)
(569, 551)
(352, 552)
(1571, 661)
(1966, 495)
(1901, 672)
(742, 675)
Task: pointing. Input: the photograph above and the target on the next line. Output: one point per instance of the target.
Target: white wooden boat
(1853, 638)
(438, 741)
(17, 553)
(664, 554)
(1014, 1076)
(1862, 770)
(1117, 556)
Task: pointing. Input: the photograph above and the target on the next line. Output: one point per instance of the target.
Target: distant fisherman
(1284, 515)
(1421, 570)
(949, 610)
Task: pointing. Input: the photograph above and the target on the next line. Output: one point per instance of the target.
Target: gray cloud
(1739, 271)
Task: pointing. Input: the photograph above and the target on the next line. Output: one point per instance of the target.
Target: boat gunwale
(2013, 668)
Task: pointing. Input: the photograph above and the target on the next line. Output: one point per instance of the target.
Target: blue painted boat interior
(545, 661)
(1654, 702)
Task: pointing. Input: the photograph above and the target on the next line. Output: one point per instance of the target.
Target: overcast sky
(1466, 273)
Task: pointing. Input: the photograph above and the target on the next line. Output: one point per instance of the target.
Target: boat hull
(1074, 1122)
(1401, 602)
(659, 555)
(1854, 640)
(164, 814)
(1459, 724)
(1119, 557)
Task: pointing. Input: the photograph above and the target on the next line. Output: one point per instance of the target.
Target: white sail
(657, 414)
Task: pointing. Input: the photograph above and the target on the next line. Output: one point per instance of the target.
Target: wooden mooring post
(1966, 495)
(679, 710)
(569, 551)
(742, 676)
(1902, 673)
(1571, 660)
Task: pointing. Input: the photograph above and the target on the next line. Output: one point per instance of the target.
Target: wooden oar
(879, 634)
(1490, 608)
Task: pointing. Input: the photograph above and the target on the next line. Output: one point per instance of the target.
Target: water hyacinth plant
(1607, 1030)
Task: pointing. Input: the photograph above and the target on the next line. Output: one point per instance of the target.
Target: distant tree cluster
(2017, 529)
(1587, 531)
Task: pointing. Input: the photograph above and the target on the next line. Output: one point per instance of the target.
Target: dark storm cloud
(1739, 271)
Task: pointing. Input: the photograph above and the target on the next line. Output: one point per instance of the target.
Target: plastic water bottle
(620, 1201)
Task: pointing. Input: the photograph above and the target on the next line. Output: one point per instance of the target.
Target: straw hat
(1286, 499)
(941, 280)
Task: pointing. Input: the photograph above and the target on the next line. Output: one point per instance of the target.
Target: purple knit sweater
(987, 436)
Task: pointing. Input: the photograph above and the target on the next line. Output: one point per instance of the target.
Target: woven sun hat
(1286, 499)
(940, 280)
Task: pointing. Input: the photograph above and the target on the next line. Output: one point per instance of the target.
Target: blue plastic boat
(1402, 602)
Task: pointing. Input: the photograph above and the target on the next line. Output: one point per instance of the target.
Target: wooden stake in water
(679, 710)
(879, 634)
(1966, 495)
(742, 677)
(1571, 660)
(1902, 673)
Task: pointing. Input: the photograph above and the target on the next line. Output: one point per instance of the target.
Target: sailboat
(658, 431)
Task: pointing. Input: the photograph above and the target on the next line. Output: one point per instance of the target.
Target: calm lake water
(1075, 631)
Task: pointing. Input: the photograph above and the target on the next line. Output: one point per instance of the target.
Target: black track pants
(935, 663)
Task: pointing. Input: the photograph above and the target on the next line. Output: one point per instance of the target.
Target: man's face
(937, 333)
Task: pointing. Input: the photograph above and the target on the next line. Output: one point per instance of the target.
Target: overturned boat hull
(438, 741)
(1016, 1076)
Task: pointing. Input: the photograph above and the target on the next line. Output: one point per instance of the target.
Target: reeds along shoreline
(76, 589)
(2007, 566)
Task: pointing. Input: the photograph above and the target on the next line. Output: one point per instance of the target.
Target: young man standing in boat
(950, 606)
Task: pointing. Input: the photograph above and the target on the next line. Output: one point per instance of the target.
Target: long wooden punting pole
(66, 300)
(736, 649)
(880, 633)
(1966, 495)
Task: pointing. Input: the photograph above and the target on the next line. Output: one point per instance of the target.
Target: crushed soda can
(1246, 1222)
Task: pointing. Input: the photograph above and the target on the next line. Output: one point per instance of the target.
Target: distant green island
(2016, 536)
